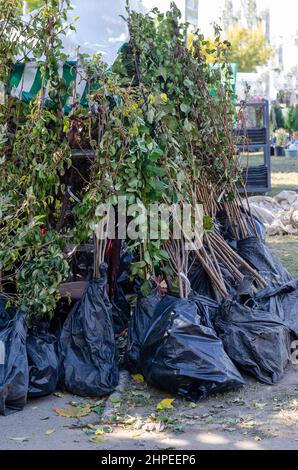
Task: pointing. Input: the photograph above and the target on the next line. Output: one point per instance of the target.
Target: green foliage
(39, 280)
(11, 29)
(173, 130)
(34, 158)
(292, 119)
(281, 137)
(35, 4)
(277, 117)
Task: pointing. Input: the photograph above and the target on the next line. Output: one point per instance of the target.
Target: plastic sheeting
(279, 214)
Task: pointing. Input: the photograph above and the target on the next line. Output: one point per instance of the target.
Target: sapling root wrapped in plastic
(87, 344)
(43, 360)
(180, 355)
(138, 328)
(256, 340)
(14, 373)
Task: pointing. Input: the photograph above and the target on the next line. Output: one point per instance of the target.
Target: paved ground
(256, 417)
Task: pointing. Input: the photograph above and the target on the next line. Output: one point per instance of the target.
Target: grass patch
(284, 171)
(285, 247)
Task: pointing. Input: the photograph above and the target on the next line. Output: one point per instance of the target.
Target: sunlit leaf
(97, 439)
(138, 378)
(165, 404)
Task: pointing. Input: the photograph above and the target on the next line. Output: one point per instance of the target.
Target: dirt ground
(256, 417)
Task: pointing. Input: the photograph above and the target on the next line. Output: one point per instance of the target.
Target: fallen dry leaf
(256, 404)
(50, 431)
(73, 411)
(58, 394)
(153, 426)
(19, 439)
(192, 405)
(97, 439)
(165, 404)
(238, 402)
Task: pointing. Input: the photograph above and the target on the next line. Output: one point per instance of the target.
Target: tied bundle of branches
(191, 114)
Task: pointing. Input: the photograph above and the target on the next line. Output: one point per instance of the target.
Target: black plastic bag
(182, 356)
(258, 255)
(256, 340)
(139, 324)
(200, 282)
(283, 301)
(6, 314)
(121, 308)
(123, 286)
(14, 373)
(119, 322)
(207, 309)
(118, 279)
(42, 360)
(87, 344)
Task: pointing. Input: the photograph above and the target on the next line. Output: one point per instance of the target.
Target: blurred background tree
(249, 48)
(292, 121)
(277, 117)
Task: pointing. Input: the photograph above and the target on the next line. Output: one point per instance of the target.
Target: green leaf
(147, 258)
(150, 115)
(184, 108)
(165, 404)
(187, 125)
